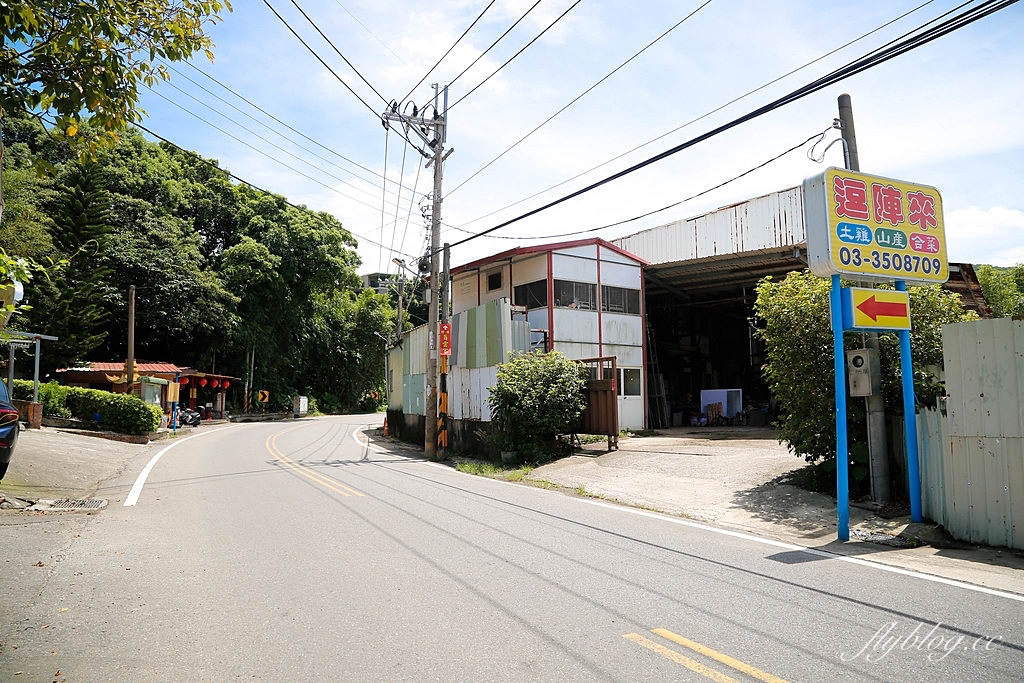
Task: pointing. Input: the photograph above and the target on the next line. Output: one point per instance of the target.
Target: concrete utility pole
(423, 127)
(129, 364)
(874, 405)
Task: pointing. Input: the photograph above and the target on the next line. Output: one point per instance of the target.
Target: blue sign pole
(910, 418)
(842, 445)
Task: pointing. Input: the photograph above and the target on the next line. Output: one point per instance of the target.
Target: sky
(947, 114)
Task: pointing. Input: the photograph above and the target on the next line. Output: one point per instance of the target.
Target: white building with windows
(583, 298)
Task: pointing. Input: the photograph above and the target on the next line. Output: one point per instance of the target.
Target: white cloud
(994, 236)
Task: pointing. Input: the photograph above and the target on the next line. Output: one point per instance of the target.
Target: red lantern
(202, 382)
(227, 384)
(183, 380)
(214, 383)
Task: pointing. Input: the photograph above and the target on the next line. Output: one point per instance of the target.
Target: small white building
(587, 299)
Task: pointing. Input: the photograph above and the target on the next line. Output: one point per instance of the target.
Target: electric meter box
(863, 372)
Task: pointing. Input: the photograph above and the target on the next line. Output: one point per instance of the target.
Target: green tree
(70, 308)
(1004, 289)
(536, 396)
(69, 59)
(791, 316)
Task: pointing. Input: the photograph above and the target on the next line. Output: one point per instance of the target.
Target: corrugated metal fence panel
(984, 479)
(415, 350)
(933, 455)
(986, 359)
(772, 221)
(413, 394)
(469, 392)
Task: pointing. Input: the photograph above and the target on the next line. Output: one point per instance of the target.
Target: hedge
(122, 413)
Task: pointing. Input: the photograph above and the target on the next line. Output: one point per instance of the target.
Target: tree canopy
(221, 271)
(791, 316)
(69, 59)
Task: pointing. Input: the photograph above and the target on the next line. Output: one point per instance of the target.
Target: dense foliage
(221, 271)
(792, 318)
(1004, 290)
(537, 396)
(122, 413)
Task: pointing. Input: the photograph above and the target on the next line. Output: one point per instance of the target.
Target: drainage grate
(92, 504)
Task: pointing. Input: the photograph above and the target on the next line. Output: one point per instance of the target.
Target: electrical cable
(328, 41)
(685, 125)
(243, 180)
(398, 202)
(426, 75)
(260, 151)
(889, 51)
(820, 136)
(521, 51)
(580, 96)
(319, 58)
(499, 39)
(254, 134)
(271, 116)
(374, 36)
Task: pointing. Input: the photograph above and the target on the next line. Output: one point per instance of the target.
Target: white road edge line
(763, 541)
(366, 444)
(133, 495)
(813, 551)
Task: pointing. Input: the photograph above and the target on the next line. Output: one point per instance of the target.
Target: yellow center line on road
(743, 667)
(691, 664)
(310, 474)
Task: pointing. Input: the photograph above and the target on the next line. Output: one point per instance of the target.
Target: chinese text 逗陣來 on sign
(874, 227)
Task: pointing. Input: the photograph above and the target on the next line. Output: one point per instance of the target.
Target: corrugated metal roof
(119, 367)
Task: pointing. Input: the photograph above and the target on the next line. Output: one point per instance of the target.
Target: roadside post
(881, 230)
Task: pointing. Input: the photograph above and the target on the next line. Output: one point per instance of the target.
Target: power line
(521, 51)
(271, 116)
(420, 82)
(685, 125)
(328, 41)
(580, 96)
(255, 134)
(260, 151)
(373, 35)
(243, 180)
(319, 58)
(499, 39)
(876, 57)
(819, 136)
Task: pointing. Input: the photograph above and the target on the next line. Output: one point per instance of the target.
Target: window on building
(620, 300)
(581, 295)
(532, 295)
(630, 382)
(493, 281)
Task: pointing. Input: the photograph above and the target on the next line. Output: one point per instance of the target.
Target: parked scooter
(189, 418)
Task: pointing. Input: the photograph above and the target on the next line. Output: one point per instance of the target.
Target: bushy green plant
(537, 396)
(122, 413)
(792, 318)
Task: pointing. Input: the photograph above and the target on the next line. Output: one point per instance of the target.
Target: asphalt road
(293, 551)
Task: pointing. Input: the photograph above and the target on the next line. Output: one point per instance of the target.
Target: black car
(9, 428)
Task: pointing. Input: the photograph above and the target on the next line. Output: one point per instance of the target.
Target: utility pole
(129, 364)
(878, 456)
(423, 127)
(442, 421)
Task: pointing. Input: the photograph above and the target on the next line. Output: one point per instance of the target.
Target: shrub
(537, 396)
(123, 413)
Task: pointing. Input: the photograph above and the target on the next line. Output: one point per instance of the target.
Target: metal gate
(601, 415)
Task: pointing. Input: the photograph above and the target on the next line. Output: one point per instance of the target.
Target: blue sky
(947, 114)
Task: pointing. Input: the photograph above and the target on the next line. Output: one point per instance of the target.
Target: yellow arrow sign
(879, 309)
(263, 396)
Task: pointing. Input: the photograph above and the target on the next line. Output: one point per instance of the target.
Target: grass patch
(484, 468)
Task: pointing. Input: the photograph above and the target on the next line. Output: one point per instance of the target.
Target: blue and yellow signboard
(874, 228)
(875, 309)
